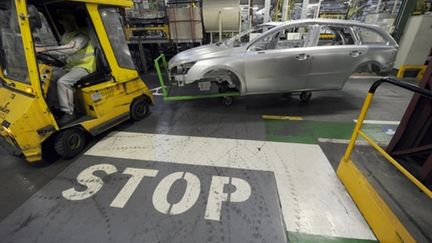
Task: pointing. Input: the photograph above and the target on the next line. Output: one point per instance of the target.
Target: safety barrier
(379, 216)
(403, 68)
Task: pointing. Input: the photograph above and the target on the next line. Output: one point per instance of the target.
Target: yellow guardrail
(403, 68)
(379, 216)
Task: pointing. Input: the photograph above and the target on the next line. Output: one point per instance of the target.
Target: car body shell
(309, 68)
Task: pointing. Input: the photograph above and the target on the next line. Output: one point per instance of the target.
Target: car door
(334, 58)
(279, 61)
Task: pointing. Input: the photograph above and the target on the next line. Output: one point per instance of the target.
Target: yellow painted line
(291, 118)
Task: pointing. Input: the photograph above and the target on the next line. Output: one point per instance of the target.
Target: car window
(263, 43)
(245, 37)
(369, 36)
(294, 37)
(291, 37)
(335, 36)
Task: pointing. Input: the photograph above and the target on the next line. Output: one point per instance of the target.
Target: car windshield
(114, 27)
(43, 35)
(12, 59)
(245, 37)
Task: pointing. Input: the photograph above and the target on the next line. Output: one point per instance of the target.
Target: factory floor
(196, 171)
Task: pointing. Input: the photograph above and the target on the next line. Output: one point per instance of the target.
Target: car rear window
(370, 37)
(335, 36)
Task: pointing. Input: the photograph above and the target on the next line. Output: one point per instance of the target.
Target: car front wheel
(227, 100)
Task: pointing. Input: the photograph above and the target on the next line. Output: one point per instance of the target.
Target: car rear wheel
(305, 96)
(70, 143)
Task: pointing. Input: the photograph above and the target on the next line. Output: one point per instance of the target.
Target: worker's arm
(76, 44)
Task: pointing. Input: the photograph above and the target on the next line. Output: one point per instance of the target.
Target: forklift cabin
(105, 98)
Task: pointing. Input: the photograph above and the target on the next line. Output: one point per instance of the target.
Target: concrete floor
(208, 118)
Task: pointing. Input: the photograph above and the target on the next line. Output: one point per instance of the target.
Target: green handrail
(159, 73)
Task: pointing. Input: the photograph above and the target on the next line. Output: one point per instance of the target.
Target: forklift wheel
(139, 109)
(69, 143)
(305, 96)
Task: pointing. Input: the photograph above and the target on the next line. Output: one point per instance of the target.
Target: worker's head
(68, 21)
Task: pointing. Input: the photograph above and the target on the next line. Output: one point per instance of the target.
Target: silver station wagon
(291, 57)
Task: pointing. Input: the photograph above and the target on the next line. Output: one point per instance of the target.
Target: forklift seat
(101, 74)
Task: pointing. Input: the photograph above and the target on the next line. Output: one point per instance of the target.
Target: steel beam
(405, 12)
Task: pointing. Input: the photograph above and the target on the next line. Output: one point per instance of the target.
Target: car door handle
(302, 57)
(355, 53)
(261, 52)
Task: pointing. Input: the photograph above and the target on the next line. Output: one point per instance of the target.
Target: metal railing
(167, 86)
(362, 116)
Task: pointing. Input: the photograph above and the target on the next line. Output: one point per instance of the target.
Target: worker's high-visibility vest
(84, 58)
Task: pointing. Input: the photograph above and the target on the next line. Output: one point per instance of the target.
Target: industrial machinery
(105, 98)
(333, 10)
(147, 31)
(153, 27)
(147, 20)
(185, 23)
(221, 17)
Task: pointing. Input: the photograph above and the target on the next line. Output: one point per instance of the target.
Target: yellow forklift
(105, 98)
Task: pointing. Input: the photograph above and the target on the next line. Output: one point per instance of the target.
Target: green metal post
(159, 73)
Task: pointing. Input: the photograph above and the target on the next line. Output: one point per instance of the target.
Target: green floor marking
(308, 238)
(308, 132)
(378, 132)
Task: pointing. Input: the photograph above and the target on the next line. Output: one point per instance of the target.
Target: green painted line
(308, 132)
(308, 238)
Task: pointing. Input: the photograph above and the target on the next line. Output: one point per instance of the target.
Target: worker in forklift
(77, 51)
